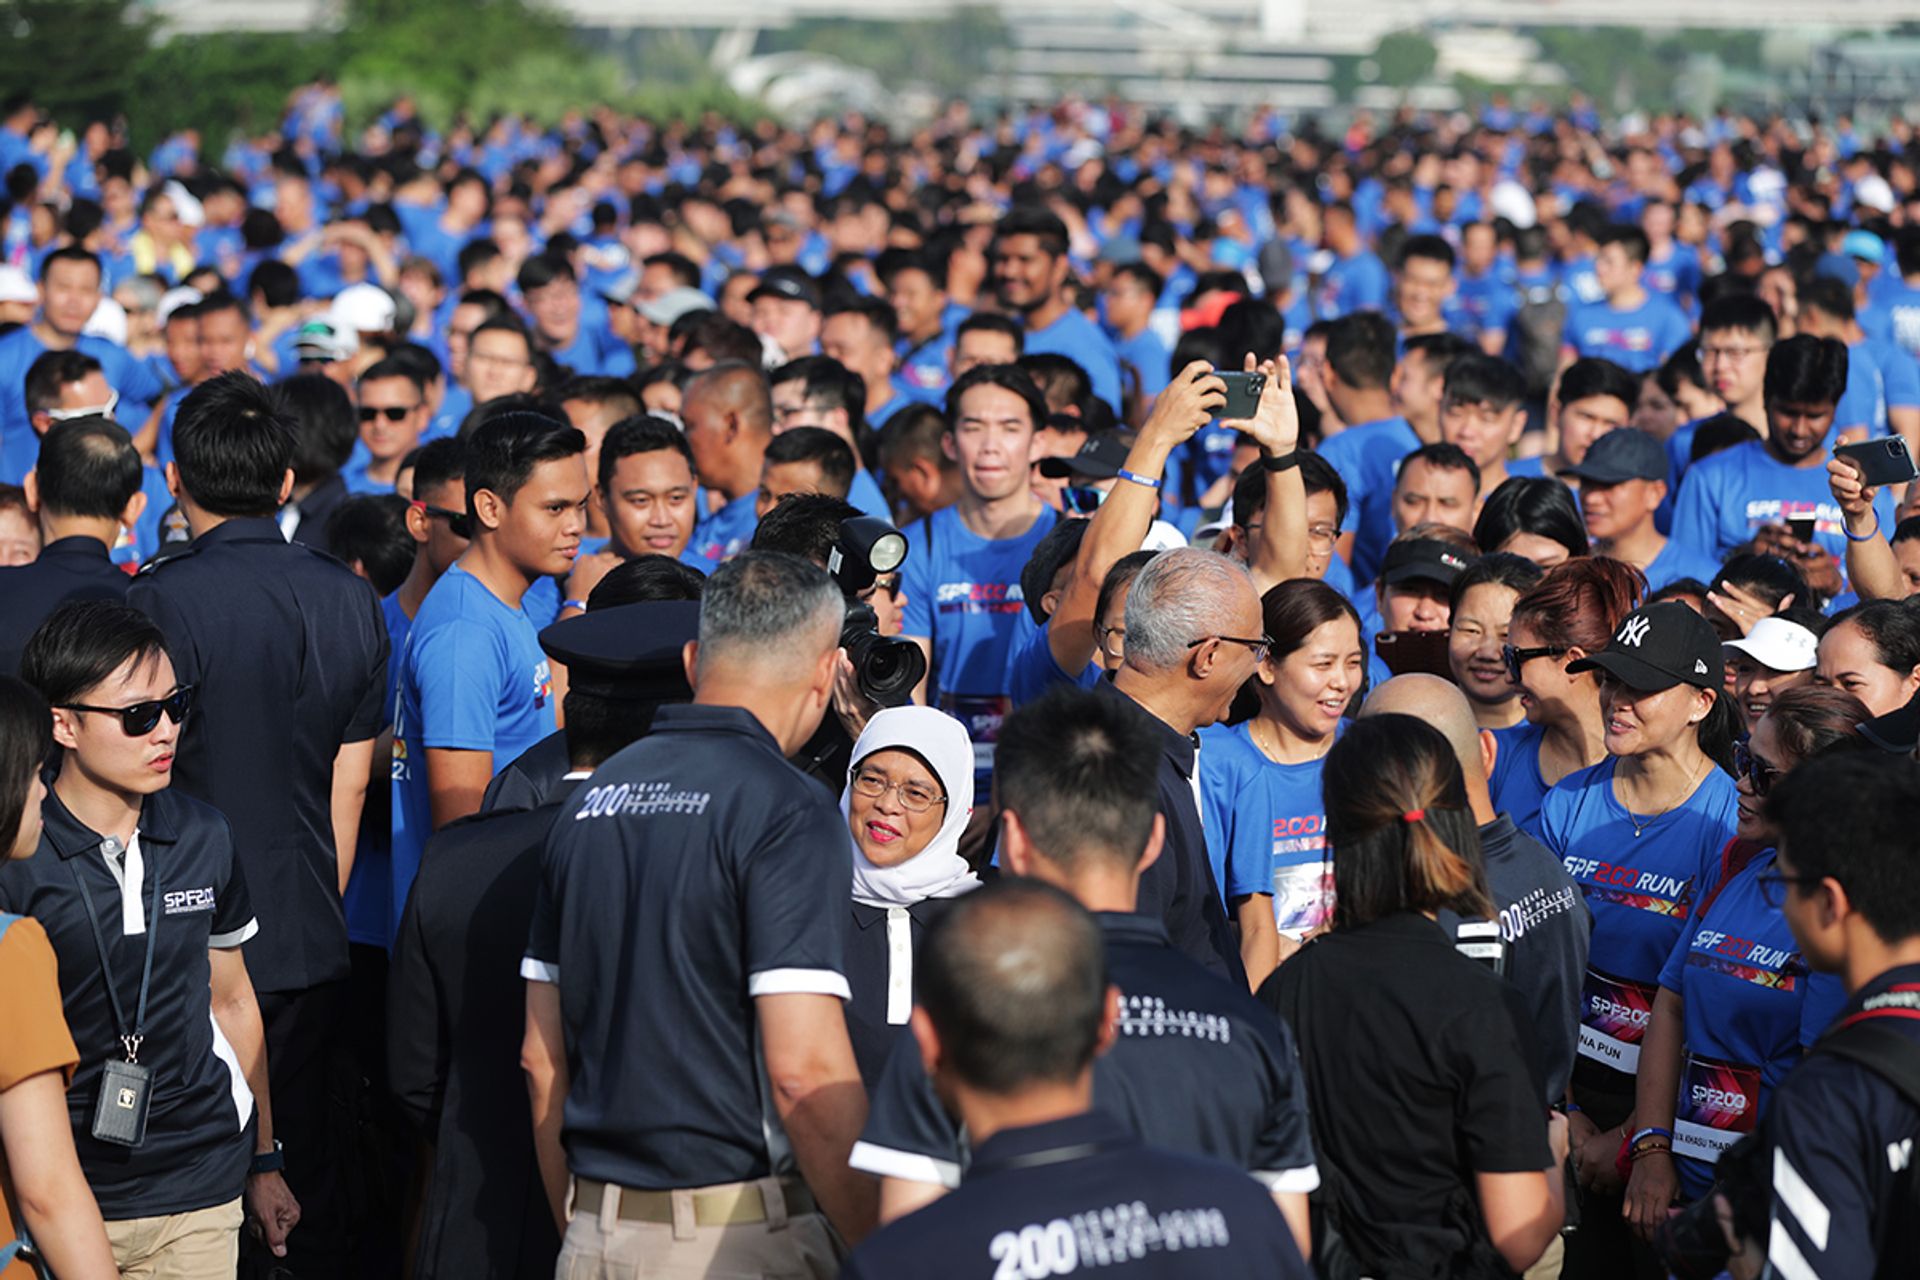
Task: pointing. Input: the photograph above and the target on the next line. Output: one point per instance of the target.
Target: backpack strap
(1871, 1039)
(1734, 858)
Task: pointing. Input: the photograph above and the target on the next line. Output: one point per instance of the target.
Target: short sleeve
(1902, 378)
(797, 883)
(1500, 1117)
(541, 962)
(1673, 972)
(909, 1135)
(1554, 822)
(1282, 1156)
(1695, 513)
(37, 1039)
(916, 579)
(233, 919)
(457, 669)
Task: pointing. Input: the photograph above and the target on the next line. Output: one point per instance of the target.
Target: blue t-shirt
(1899, 303)
(134, 379)
(1147, 354)
(1640, 889)
(1728, 496)
(726, 532)
(1677, 560)
(964, 597)
(1031, 667)
(1266, 827)
(475, 679)
(1637, 339)
(354, 476)
(1359, 283)
(1484, 304)
(1516, 785)
(865, 494)
(1751, 1007)
(368, 901)
(1676, 275)
(1368, 457)
(1080, 340)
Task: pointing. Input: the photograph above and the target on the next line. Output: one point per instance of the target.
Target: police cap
(630, 651)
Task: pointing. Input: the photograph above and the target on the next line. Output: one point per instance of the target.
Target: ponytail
(1403, 838)
(1718, 732)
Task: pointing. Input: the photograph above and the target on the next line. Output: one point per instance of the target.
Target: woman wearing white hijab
(909, 795)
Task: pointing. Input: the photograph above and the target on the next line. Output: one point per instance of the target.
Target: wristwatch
(274, 1161)
(1285, 462)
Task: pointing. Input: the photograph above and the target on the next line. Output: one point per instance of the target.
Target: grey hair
(1179, 597)
(766, 605)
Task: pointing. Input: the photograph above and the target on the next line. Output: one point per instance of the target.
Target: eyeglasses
(1107, 636)
(1261, 647)
(1084, 499)
(392, 412)
(1518, 658)
(458, 523)
(1773, 886)
(1757, 771)
(1321, 535)
(141, 717)
(89, 411)
(1728, 353)
(915, 797)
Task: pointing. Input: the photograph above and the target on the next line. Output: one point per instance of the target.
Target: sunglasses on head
(459, 524)
(392, 412)
(141, 717)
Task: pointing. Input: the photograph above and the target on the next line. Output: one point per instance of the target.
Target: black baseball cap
(1620, 455)
(1659, 647)
(630, 651)
(1100, 457)
(1424, 559)
(791, 283)
(1060, 545)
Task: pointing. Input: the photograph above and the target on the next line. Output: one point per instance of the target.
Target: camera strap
(1869, 1038)
(131, 1036)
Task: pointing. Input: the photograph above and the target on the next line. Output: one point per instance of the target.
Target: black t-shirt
(1418, 1077)
(694, 871)
(200, 1119)
(1083, 1195)
(880, 954)
(1546, 925)
(289, 650)
(1198, 1066)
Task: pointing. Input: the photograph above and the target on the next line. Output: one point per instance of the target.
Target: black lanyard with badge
(126, 1088)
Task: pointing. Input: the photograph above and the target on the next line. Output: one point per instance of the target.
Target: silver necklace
(1639, 826)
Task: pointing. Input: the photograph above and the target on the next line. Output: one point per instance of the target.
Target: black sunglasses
(1758, 772)
(141, 717)
(393, 412)
(459, 524)
(1518, 658)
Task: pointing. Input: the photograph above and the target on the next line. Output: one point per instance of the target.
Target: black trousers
(309, 1071)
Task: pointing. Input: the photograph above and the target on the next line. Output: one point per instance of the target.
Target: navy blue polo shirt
(76, 568)
(1843, 1143)
(1083, 1193)
(199, 1127)
(289, 650)
(693, 872)
(1198, 1066)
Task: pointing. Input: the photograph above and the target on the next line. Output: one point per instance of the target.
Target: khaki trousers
(603, 1246)
(202, 1245)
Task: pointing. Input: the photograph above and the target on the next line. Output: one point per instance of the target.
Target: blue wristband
(1149, 481)
(1651, 1132)
(1868, 536)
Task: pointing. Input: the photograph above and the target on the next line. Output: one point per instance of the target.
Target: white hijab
(937, 871)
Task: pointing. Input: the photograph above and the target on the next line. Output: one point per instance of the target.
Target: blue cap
(1865, 246)
(1837, 266)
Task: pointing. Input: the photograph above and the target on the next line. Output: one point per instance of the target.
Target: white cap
(1511, 201)
(1779, 645)
(1874, 192)
(174, 299)
(362, 308)
(186, 204)
(109, 321)
(15, 287)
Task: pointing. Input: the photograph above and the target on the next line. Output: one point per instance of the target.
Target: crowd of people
(1371, 682)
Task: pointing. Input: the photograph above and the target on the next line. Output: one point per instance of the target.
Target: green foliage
(1623, 68)
(73, 54)
(948, 55)
(1405, 58)
(220, 83)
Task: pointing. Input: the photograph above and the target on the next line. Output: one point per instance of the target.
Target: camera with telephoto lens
(887, 669)
(1691, 1242)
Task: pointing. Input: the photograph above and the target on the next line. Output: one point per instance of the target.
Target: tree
(73, 55)
(1405, 58)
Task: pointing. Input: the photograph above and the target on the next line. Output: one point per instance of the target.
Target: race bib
(982, 714)
(1614, 1013)
(1716, 1108)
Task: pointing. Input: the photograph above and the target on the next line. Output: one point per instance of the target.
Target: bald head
(736, 389)
(1014, 981)
(1441, 704)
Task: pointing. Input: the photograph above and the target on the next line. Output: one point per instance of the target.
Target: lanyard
(130, 1039)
